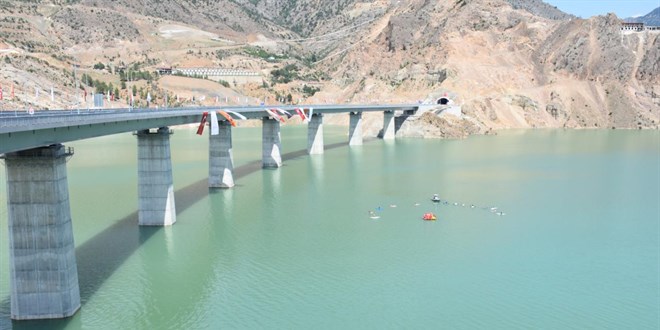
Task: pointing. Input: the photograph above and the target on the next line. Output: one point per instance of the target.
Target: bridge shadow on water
(100, 256)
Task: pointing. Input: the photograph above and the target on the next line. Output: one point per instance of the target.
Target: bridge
(44, 276)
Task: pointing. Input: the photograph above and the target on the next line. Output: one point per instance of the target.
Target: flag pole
(25, 94)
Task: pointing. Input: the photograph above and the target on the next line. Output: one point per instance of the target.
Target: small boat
(435, 198)
(429, 216)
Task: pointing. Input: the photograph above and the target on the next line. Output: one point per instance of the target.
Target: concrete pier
(315, 135)
(155, 183)
(355, 129)
(42, 261)
(388, 125)
(271, 143)
(221, 160)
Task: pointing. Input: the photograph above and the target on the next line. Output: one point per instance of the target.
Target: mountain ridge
(508, 63)
(652, 18)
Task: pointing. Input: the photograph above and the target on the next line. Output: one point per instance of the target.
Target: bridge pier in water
(155, 184)
(43, 270)
(271, 143)
(355, 129)
(388, 125)
(315, 135)
(221, 161)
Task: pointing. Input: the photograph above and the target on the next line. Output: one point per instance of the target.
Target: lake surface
(578, 245)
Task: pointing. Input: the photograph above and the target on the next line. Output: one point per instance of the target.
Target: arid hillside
(508, 63)
(507, 68)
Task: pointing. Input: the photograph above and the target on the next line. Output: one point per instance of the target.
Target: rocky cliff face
(508, 68)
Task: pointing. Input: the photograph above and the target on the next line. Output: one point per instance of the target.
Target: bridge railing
(66, 118)
(11, 121)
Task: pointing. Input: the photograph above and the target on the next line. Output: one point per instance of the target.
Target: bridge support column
(221, 161)
(388, 125)
(355, 129)
(315, 135)
(271, 143)
(42, 262)
(155, 184)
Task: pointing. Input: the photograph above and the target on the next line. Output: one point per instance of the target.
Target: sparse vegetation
(135, 75)
(284, 75)
(220, 54)
(309, 90)
(261, 53)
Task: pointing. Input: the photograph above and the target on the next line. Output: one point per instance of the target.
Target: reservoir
(541, 229)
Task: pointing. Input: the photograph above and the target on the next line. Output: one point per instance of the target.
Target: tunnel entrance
(443, 101)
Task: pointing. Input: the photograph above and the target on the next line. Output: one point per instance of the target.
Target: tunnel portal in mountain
(443, 100)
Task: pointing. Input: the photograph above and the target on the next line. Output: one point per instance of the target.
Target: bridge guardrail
(47, 127)
(11, 121)
(58, 118)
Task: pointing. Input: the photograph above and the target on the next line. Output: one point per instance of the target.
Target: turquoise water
(294, 248)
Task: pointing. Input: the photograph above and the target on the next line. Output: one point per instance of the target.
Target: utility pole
(85, 89)
(77, 95)
(130, 89)
(25, 95)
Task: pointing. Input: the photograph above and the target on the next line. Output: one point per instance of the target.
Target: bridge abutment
(388, 125)
(271, 143)
(355, 129)
(315, 135)
(155, 184)
(221, 160)
(43, 270)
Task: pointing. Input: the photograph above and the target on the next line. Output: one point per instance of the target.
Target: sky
(622, 8)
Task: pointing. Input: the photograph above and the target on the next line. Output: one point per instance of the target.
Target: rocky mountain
(508, 63)
(540, 8)
(652, 18)
(509, 68)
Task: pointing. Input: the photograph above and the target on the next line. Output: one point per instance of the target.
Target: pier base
(315, 135)
(355, 129)
(388, 125)
(155, 184)
(42, 261)
(271, 144)
(221, 161)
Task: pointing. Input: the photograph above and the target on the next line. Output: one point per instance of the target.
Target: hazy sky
(622, 8)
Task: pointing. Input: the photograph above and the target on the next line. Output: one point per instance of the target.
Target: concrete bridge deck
(20, 130)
